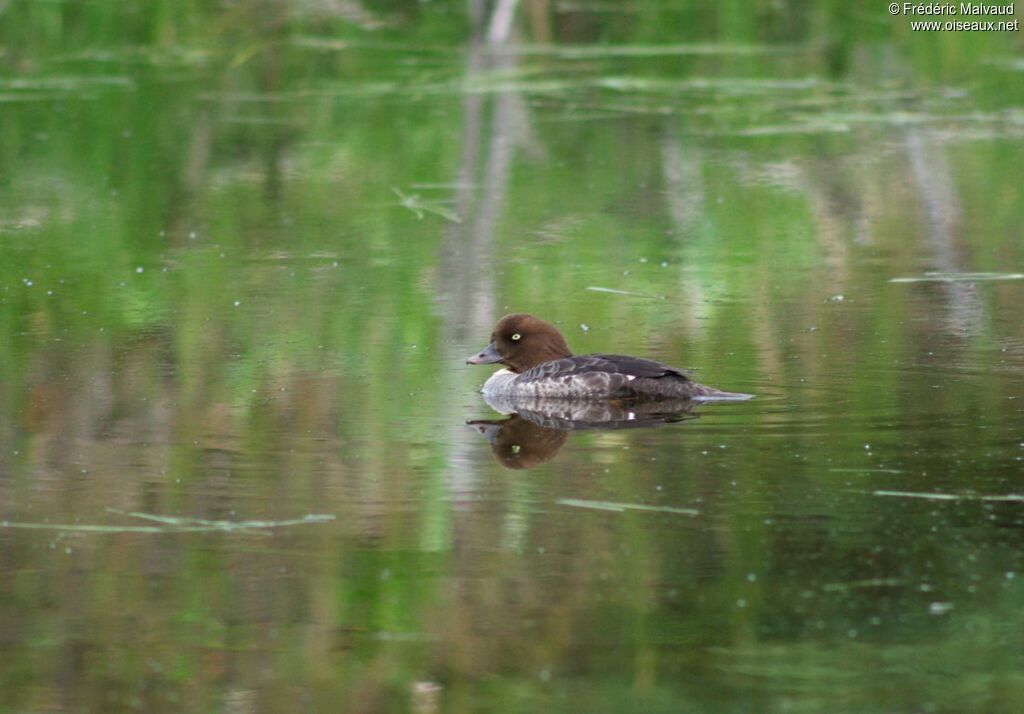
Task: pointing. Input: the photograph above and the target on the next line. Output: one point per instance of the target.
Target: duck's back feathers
(637, 366)
(606, 364)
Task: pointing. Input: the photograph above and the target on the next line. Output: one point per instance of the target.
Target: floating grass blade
(1010, 497)
(419, 206)
(867, 583)
(867, 470)
(172, 524)
(620, 507)
(599, 289)
(958, 277)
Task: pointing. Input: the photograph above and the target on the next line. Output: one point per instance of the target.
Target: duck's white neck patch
(499, 382)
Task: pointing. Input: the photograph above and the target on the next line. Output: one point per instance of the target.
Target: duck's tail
(704, 393)
(680, 387)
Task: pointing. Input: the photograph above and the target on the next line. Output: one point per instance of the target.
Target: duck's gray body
(601, 376)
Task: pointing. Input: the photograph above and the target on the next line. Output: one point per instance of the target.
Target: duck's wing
(637, 366)
(604, 364)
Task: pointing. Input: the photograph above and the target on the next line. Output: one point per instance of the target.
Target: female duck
(539, 364)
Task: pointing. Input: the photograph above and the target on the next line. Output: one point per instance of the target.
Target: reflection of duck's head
(518, 443)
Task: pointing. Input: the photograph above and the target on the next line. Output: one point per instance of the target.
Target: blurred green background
(246, 247)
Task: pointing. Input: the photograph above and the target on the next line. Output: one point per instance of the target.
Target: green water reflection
(245, 250)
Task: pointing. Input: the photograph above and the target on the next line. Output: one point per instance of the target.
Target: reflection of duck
(537, 427)
(540, 365)
(576, 414)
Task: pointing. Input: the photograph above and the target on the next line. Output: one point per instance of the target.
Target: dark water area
(245, 251)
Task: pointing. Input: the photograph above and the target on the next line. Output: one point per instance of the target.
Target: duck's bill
(488, 356)
(487, 428)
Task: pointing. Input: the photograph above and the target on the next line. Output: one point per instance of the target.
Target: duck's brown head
(522, 341)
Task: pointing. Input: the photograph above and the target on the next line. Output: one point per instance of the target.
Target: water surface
(243, 260)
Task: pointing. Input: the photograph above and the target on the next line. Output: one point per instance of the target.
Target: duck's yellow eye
(516, 336)
(516, 448)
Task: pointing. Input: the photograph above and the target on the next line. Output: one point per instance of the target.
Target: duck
(537, 362)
